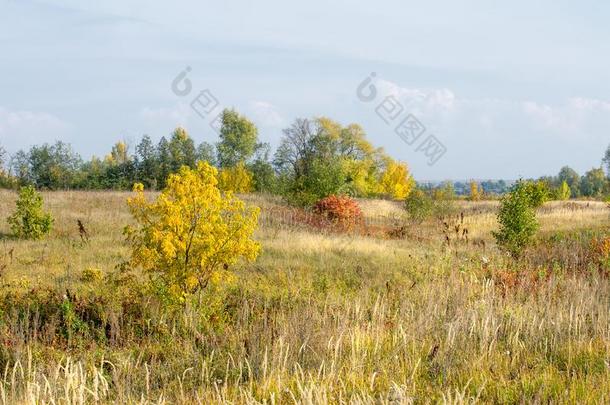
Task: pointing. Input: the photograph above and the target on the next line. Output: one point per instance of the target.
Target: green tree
(324, 178)
(6, 180)
(164, 161)
(296, 150)
(20, 167)
(94, 174)
(564, 191)
(49, 166)
(571, 177)
(606, 161)
(517, 219)
(345, 160)
(29, 221)
(182, 150)
(238, 139)
(593, 183)
(264, 177)
(205, 153)
(147, 162)
(120, 168)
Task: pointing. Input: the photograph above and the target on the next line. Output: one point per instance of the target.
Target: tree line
(315, 158)
(566, 184)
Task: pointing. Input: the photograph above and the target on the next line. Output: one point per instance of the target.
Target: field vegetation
(389, 311)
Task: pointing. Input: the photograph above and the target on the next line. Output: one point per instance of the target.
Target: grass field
(320, 317)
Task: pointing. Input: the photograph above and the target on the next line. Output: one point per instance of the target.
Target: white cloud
(175, 115)
(590, 104)
(576, 116)
(418, 98)
(23, 127)
(266, 114)
(443, 109)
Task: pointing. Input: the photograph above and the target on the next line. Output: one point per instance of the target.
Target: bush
(538, 193)
(29, 221)
(324, 178)
(340, 210)
(191, 233)
(419, 205)
(92, 274)
(517, 219)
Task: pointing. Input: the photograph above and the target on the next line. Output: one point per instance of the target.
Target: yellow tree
(236, 179)
(190, 232)
(119, 154)
(396, 181)
(564, 192)
(475, 191)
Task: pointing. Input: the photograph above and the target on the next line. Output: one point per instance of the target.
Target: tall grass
(320, 318)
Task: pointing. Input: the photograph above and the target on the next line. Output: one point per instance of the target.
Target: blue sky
(511, 89)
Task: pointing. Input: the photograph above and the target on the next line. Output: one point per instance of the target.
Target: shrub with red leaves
(340, 210)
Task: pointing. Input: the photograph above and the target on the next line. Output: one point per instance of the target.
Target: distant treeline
(462, 188)
(315, 158)
(593, 184)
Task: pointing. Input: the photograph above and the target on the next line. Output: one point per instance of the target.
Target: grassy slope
(327, 318)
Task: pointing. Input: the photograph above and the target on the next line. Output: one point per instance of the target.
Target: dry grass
(321, 318)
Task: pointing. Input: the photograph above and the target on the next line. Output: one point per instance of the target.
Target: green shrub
(419, 205)
(517, 219)
(538, 193)
(29, 221)
(324, 178)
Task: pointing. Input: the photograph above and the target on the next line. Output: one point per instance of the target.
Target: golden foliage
(236, 179)
(476, 192)
(191, 232)
(396, 181)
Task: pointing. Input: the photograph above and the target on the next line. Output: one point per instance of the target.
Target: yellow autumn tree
(190, 233)
(475, 191)
(119, 154)
(396, 181)
(236, 179)
(564, 192)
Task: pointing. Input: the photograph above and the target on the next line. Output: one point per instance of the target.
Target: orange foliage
(341, 210)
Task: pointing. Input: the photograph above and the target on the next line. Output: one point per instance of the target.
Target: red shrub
(340, 210)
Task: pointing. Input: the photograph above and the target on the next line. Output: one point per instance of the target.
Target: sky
(507, 89)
